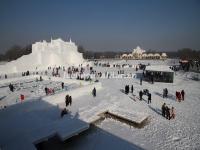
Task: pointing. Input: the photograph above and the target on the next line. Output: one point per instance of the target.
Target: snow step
(129, 115)
(91, 115)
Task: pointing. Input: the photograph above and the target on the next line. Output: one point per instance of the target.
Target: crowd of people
(128, 89)
(180, 95)
(147, 93)
(68, 101)
(49, 91)
(167, 112)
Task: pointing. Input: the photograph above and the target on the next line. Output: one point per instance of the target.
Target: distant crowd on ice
(167, 112)
(141, 93)
(71, 71)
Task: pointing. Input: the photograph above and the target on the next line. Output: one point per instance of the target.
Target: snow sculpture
(54, 53)
(137, 53)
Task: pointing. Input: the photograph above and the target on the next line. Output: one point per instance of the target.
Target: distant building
(139, 53)
(159, 73)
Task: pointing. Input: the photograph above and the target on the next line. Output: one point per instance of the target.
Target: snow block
(129, 115)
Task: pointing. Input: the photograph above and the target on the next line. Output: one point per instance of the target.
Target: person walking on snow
(163, 93)
(140, 95)
(166, 92)
(125, 89)
(149, 98)
(167, 112)
(46, 90)
(183, 94)
(62, 84)
(132, 89)
(140, 81)
(163, 109)
(70, 100)
(66, 100)
(94, 92)
(172, 113)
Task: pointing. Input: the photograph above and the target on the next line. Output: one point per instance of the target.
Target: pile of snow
(55, 53)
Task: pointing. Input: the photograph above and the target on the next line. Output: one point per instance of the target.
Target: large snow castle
(54, 53)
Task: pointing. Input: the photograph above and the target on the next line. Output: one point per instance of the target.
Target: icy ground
(30, 88)
(183, 132)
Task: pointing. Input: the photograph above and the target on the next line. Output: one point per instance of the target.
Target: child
(172, 113)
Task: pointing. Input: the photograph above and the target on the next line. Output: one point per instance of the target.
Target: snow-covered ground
(183, 132)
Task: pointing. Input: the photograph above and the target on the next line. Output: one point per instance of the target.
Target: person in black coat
(167, 113)
(46, 90)
(183, 94)
(163, 109)
(149, 98)
(62, 84)
(66, 100)
(11, 87)
(128, 89)
(94, 92)
(63, 112)
(70, 100)
(163, 93)
(132, 89)
(140, 95)
(166, 92)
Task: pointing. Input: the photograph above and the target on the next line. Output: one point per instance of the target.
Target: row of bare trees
(17, 51)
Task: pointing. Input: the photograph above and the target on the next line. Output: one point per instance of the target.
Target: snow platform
(25, 124)
(129, 115)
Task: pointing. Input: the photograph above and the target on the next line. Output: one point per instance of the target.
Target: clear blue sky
(102, 25)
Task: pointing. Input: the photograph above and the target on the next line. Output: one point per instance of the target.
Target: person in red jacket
(22, 97)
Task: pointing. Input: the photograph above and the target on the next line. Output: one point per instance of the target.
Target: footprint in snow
(176, 139)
